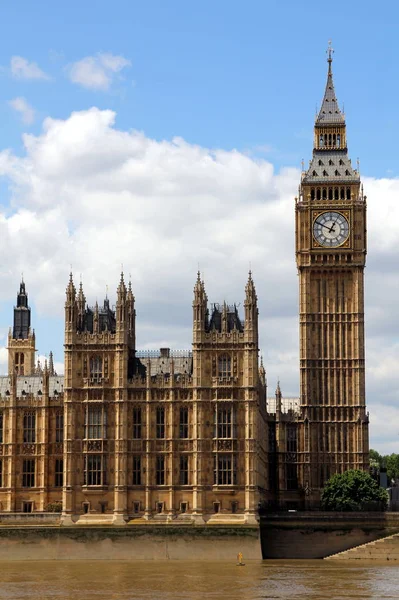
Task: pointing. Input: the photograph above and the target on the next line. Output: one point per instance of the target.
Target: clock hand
(330, 229)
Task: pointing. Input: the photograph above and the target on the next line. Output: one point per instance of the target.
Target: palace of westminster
(192, 436)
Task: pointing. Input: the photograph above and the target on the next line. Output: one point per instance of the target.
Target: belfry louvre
(192, 436)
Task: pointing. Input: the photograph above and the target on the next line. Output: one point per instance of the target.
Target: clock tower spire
(331, 252)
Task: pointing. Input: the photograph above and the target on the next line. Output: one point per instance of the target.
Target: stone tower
(21, 339)
(331, 251)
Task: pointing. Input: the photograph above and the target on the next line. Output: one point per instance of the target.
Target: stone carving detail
(27, 449)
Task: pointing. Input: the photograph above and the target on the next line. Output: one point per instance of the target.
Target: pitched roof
(333, 166)
(329, 112)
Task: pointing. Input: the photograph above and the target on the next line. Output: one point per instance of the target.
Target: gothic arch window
(338, 141)
(321, 140)
(224, 366)
(336, 193)
(96, 422)
(29, 427)
(96, 368)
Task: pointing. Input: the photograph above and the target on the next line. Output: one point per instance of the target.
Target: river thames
(175, 580)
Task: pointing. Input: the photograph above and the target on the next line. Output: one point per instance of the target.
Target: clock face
(330, 229)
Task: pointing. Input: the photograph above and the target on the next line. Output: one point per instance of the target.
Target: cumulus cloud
(21, 68)
(89, 194)
(97, 72)
(25, 110)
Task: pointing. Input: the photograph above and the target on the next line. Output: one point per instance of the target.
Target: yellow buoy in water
(239, 558)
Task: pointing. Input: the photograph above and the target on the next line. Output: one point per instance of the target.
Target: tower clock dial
(330, 229)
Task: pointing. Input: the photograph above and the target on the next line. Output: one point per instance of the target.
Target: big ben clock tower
(330, 252)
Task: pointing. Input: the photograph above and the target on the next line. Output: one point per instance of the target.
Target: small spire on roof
(330, 52)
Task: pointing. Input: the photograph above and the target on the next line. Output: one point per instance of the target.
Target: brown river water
(175, 580)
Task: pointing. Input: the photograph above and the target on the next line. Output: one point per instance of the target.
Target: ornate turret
(330, 165)
(251, 310)
(279, 398)
(21, 339)
(200, 307)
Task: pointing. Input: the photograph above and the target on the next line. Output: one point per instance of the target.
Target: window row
(28, 479)
(29, 427)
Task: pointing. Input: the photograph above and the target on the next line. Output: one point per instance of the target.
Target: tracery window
(95, 469)
(223, 422)
(136, 470)
(291, 439)
(29, 427)
(160, 469)
(183, 479)
(224, 471)
(160, 423)
(59, 427)
(59, 472)
(136, 422)
(96, 368)
(1, 427)
(96, 422)
(1, 473)
(183, 425)
(224, 366)
(28, 473)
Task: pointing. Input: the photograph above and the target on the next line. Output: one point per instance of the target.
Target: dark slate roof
(232, 317)
(329, 112)
(330, 166)
(160, 361)
(32, 385)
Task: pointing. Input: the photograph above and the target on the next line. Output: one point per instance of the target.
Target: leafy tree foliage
(353, 491)
(389, 461)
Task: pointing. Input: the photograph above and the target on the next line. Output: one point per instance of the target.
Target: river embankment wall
(309, 535)
(147, 542)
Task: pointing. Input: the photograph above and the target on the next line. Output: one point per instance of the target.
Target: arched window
(29, 427)
(96, 368)
(224, 366)
(321, 140)
(338, 141)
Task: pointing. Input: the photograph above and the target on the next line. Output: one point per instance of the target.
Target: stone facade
(191, 435)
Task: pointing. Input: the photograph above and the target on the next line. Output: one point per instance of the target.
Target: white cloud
(97, 72)
(25, 110)
(88, 194)
(21, 68)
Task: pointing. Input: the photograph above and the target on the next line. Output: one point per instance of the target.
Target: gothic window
(19, 363)
(224, 366)
(136, 470)
(223, 422)
(348, 193)
(29, 427)
(321, 140)
(330, 162)
(338, 141)
(137, 423)
(321, 164)
(336, 193)
(224, 472)
(59, 427)
(183, 469)
(183, 425)
(96, 368)
(28, 473)
(324, 193)
(291, 439)
(337, 173)
(95, 470)
(59, 472)
(318, 194)
(160, 424)
(341, 162)
(312, 194)
(1, 473)
(1, 427)
(291, 476)
(96, 422)
(325, 173)
(347, 172)
(314, 173)
(160, 469)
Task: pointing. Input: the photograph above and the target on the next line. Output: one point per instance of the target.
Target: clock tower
(330, 252)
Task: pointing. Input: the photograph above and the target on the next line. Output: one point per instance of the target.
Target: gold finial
(330, 52)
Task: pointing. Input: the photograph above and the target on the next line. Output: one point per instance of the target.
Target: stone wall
(129, 543)
(308, 535)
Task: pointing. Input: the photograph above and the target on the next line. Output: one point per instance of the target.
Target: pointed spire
(250, 291)
(262, 371)
(51, 363)
(71, 291)
(278, 398)
(121, 291)
(329, 111)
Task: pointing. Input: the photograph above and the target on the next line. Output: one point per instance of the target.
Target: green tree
(353, 491)
(392, 465)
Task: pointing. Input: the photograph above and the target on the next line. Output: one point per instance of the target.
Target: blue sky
(221, 74)
(163, 135)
